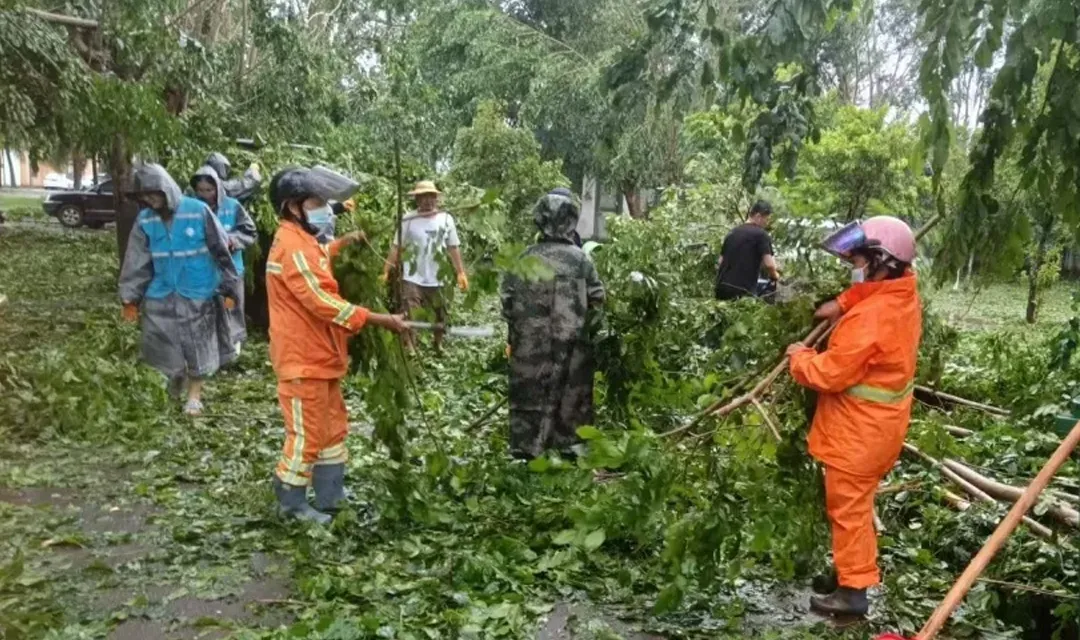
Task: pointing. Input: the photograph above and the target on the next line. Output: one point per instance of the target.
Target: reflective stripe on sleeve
(345, 310)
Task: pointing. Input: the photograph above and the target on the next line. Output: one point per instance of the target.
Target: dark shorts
(416, 297)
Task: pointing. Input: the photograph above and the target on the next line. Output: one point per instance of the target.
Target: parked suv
(91, 207)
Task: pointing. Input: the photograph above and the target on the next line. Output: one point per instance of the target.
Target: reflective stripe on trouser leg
(849, 502)
(333, 449)
(303, 404)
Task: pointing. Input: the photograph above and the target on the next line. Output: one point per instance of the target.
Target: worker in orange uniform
(864, 382)
(310, 324)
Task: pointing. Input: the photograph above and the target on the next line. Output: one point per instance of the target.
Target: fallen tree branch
(767, 418)
(1061, 512)
(56, 18)
(972, 490)
(719, 409)
(947, 398)
(958, 432)
(1026, 587)
(956, 501)
(487, 414)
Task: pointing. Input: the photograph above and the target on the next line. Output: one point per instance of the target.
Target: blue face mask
(324, 215)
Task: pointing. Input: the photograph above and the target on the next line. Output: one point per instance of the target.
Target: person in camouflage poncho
(551, 365)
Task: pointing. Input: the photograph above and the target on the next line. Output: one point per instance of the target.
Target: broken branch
(947, 398)
(974, 491)
(1061, 512)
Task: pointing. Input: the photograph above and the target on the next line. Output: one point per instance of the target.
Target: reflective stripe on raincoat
(864, 379)
(310, 322)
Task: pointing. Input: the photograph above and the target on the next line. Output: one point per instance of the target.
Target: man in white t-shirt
(426, 232)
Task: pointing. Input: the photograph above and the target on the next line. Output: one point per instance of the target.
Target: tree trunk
(126, 208)
(78, 165)
(634, 206)
(1033, 276)
(11, 168)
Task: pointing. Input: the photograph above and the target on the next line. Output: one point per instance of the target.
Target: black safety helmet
(291, 183)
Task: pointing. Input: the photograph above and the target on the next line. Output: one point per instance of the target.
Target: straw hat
(424, 186)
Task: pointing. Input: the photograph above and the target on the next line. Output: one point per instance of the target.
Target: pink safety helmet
(891, 235)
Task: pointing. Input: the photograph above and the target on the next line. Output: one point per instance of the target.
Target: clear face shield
(843, 242)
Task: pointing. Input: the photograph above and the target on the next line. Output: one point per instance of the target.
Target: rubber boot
(845, 601)
(329, 483)
(292, 503)
(825, 583)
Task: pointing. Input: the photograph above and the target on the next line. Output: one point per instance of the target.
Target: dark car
(91, 207)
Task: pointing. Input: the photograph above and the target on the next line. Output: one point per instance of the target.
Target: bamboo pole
(972, 490)
(1063, 513)
(1000, 535)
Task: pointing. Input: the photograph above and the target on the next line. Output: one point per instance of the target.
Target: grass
(1003, 306)
(10, 201)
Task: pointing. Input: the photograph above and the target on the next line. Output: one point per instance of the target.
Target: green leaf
(539, 464)
(564, 537)
(589, 433)
(594, 539)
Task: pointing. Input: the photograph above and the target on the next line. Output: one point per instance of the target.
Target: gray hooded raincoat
(241, 234)
(180, 337)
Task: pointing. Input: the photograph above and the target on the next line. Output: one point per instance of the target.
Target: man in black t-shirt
(747, 248)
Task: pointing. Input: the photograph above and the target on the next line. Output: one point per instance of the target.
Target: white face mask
(858, 274)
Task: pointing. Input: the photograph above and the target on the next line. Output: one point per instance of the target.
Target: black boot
(825, 583)
(329, 483)
(845, 601)
(292, 503)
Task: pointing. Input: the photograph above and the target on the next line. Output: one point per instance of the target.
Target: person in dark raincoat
(551, 365)
(240, 229)
(178, 277)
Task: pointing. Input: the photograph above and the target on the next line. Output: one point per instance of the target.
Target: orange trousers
(849, 503)
(316, 424)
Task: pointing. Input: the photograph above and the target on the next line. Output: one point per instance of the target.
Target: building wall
(26, 177)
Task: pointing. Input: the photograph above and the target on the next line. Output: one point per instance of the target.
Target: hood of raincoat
(153, 177)
(209, 172)
(556, 216)
(219, 163)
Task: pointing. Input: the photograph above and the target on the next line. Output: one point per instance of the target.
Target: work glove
(350, 205)
(230, 303)
(508, 350)
(353, 237)
(463, 281)
(130, 313)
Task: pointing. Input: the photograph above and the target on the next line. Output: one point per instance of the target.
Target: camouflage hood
(208, 173)
(152, 177)
(556, 216)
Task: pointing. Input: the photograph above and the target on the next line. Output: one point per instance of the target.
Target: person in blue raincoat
(178, 279)
(240, 228)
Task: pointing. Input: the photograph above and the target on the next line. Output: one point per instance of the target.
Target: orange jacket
(310, 322)
(865, 377)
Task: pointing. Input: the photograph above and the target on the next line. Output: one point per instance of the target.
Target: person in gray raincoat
(551, 364)
(243, 188)
(239, 227)
(179, 278)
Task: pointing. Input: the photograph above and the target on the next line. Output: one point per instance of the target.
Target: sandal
(193, 408)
